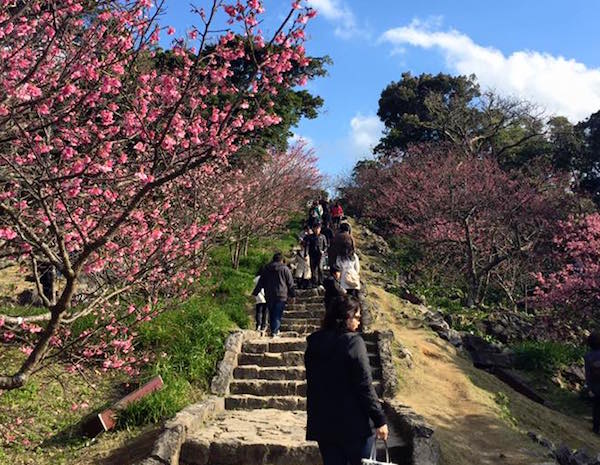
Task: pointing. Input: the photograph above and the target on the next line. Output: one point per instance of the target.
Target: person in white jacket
(349, 265)
(261, 308)
(300, 265)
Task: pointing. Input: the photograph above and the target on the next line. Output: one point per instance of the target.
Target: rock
(412, 298)
(168, 445)
(574, 374)
(486, 355)
(29, 297)
(376, 268)
(563, 455)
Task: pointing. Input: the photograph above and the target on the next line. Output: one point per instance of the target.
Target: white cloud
(339, 13)
(563, 86)
(365, 132)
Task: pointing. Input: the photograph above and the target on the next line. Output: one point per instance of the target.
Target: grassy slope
(477, 418)
(41, 419)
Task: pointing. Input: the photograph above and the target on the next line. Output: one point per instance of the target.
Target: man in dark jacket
(316, 245)
(342, 406)
(332, 286)
(278, 283)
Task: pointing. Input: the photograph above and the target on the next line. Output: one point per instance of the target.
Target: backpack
(352, 279)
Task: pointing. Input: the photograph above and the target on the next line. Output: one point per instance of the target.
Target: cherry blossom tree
(573, 290)
(102, 153)
(273, 192)
(470, 214)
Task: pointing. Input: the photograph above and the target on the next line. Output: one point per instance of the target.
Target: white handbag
(372, 460)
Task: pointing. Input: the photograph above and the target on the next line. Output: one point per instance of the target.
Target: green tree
(445, 108)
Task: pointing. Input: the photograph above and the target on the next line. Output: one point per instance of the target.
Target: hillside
(478, 419)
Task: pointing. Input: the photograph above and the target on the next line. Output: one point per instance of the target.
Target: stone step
(269, 437)
(304, 313)
(302, 328)
(320, 306)
(261, 387)
(288, 359)
(274, 373)
(281, 373)
(311, 321)
(249, 402)
(301, 293)
(286, 344)
(264, 388)
(259, 346)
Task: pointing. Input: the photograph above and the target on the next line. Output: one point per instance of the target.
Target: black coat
(332, 290)
(341, 403)
(277, 281)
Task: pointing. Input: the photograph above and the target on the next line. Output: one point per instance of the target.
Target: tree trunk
(246, 242)
(40, 350)
(472, 278)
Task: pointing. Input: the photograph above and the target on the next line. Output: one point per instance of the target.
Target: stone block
(168, 445)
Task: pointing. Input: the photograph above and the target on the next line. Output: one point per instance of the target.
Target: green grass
(546, 356)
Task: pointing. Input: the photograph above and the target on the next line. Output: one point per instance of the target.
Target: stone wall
(424, 449)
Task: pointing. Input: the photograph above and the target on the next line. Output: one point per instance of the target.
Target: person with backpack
(343, 413)
(316, 245)
(278, 283)
(592, 376)
(349, 265)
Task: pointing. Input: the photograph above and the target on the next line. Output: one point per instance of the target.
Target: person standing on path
(341, 404)
(592, 375)
(333, 290)
(337, 212)
(261, 305)
(316, 245)
(278, 283)
(348, 263)
(343, 240)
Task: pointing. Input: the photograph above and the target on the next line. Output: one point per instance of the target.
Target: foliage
(192, 336)
(573, 289)
(274, 191)
(453, 109)
(546, 356)
(465, 212)
(111, 171)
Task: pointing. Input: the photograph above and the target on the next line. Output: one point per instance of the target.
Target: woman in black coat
(342, 407)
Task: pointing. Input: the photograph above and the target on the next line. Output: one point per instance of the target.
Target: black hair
(278, 257)
(345, 227)
(339, 312)
(594, 340)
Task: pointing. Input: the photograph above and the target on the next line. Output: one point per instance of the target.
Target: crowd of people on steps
(344, 415)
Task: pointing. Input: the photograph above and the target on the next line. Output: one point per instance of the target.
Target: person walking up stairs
(265, 417)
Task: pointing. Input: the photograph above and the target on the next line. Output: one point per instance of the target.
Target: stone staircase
(264, 420)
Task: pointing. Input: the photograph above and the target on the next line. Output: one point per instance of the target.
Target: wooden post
(107, 419)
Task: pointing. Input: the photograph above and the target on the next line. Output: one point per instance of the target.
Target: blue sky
(545, 51)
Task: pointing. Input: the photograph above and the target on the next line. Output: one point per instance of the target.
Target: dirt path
(478, 419)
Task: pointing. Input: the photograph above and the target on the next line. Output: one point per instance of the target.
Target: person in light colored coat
(349, 265)
(300, 265)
